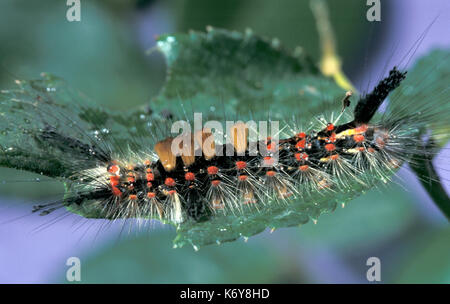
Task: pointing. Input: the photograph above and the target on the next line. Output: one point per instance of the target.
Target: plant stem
(330, 64)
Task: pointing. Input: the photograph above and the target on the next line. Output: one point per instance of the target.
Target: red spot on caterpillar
(303, 168)
(132, 197)
(301, 156)
(300, 144)
(149, 185)
(361, 149)
(271, 173)
(116, 191)
(268, 161)
(371, 150)
(215, 182)
(113, 169)
(169, 182)
(301, 135)
(334, 156)
(149, 170)
(114, 180)
(150, 177)
(241, 165)
(330, 127)
(271, 147)
(147, 163)
(189, 176)
(172, 192)
(332, 137)
(361, 128)
(243, 177)
(358, 138)
(212, 170)
(131, 179)
(151, 195)
(330, 147)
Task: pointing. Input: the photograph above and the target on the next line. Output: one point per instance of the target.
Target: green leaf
(386, 205)
(26, 111)
(229, 75)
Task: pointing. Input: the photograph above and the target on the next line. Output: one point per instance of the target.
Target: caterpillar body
(173, 187)
(299, 176)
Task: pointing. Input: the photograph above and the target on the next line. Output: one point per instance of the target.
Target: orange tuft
(164, 151)
(215, 182)
(239, 137)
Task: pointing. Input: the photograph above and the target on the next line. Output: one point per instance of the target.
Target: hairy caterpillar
(316, 167)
